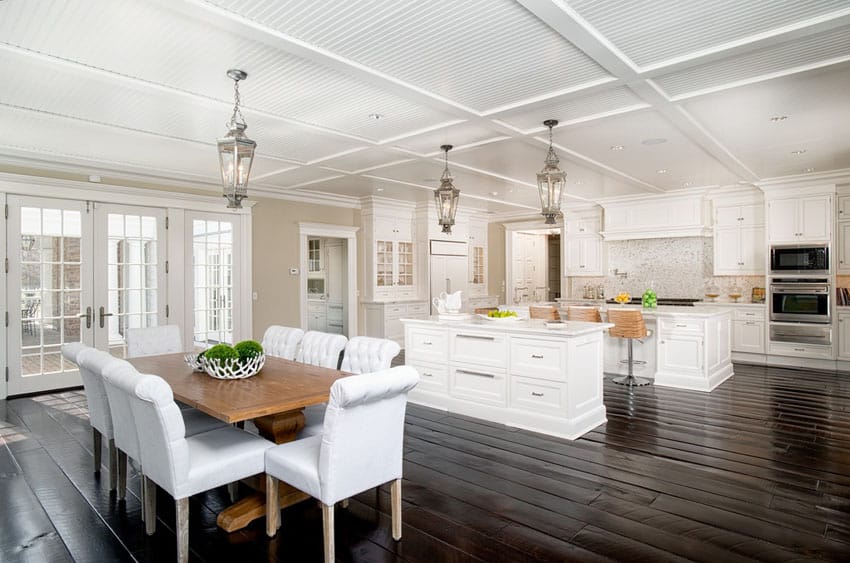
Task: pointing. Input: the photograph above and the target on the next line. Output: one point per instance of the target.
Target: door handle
(103, 314)
(87, 316)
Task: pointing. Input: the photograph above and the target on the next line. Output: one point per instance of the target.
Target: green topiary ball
(248, 349)
(221, 352)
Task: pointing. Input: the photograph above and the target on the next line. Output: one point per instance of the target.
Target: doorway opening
(327, 280)
(533, 267)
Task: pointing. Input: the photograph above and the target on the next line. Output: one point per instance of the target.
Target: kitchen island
(528, 374)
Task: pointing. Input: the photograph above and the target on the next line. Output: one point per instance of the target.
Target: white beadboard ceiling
(138, 87)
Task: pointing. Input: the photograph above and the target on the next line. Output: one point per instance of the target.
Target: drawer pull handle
(537, 356)
(535, 394)
(799, 349)
(478, 373)
(426, 374)
(427, 343)
(476, 336)
(681, 326)
(750, 323)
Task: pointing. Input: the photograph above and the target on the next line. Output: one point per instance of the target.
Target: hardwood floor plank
(26, 533)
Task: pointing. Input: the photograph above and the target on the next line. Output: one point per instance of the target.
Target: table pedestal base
(279, 428)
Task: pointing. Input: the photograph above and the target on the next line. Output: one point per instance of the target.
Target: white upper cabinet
(657, 217)
(583, 247)
(477, 257)
(389, 253)
(739, 240)
(803, 219)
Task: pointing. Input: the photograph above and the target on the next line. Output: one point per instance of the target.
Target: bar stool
(628, 323)
(484, 310)
(543, 312)
(586, 314)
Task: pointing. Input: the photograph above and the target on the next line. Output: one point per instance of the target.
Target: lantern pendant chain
(236, 111)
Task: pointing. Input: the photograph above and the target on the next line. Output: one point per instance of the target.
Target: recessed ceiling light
(617, 147)
(579, 182)
(376, 116)
(778, 118)
(662, 171)
(687, 184)
(809, 169)
(743, 182)
(798, 151)
(379, 189)
(655, 141)
(494, 193)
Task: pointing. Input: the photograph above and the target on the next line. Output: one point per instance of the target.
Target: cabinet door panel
(681, 355)
(748, 336)
(816, 218)
(727, 251)
(727, 216)
(782, 220)
(843, 248)
(844, 336)
(752, 245)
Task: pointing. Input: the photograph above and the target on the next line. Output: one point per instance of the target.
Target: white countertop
(729, 304)
(677, 311)
(565, 328)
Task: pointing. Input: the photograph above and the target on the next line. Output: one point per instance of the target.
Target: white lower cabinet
(543, 380)
(844, 335)
(681, 354)
(694, 353)
(317, 316)
(383, 319)
(748, 336)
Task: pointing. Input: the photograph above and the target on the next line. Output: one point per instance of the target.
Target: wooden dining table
(274, 400)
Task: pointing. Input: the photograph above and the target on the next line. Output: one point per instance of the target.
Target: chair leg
(395, 494)
(272, 506)
(233, 491)
(113, 466)
(344, 503)
(182, 529)
(150, 504)
(143, 495)
(122, 475)
(97, 444)
(328, 528)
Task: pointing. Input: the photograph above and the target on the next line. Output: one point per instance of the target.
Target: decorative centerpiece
(501, 316)
(237, 362)
(649, 300)
(623, 297)
(735, 293)
(711, 291)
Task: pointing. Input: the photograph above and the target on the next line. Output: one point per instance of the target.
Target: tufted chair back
(92, 364)
(161, 433)
(71, 350)
(163, 339)
(363, 432)
(321, 349)
(364, 354)
(282, 341)
(120, 379)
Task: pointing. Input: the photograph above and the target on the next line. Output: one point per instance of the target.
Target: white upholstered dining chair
(360, 448)
(321, 349)
(363, 354)
(163, 339)
(120, 379)
(282, 341)
(186, 465)
(90, 361)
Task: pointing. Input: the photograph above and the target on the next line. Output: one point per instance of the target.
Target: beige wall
(496, 259)
(275, 244)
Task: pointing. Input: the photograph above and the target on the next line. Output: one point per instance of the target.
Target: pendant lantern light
(446, 197)
(235, 150)
(550, 181)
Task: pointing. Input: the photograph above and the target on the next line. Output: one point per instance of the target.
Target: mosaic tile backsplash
(673, 267)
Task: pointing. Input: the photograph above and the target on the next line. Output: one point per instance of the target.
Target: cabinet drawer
(538, 358)
(432, 377)
(478, 348)
(335, 312)
(397, 311)
(800, 350)
(426, 344)
(315, 307)
(747, 314)
(481, 385)
(673, 325)
(538, 396)
(417, 309)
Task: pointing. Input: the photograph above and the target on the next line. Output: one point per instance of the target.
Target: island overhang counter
(528, 374)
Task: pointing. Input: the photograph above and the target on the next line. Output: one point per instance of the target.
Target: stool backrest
(542, 312)
(282, 341)
(628, 323)
(586, 314)
(484, 310)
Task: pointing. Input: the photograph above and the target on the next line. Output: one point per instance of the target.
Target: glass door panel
(49, 250)
(212, 245)
(130, 273)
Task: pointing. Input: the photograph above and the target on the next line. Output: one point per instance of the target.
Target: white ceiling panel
(817, 108)
(574, 108)
(365, 159)
(459, 136)
(684, 161)
(806, 52)
(298, 176)
(655, 31)
(479, 53)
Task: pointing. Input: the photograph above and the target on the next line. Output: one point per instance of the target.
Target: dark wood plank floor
(757, 470)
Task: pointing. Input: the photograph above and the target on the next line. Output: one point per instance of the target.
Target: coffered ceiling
(652, 96)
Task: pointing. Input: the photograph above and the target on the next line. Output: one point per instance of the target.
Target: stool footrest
(631, 381)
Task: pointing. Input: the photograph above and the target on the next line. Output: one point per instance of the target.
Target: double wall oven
(800, 294)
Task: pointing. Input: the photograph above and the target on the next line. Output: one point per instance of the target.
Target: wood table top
(281, 386)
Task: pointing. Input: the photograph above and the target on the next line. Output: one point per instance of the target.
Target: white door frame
(3, 301)
(533, 225)
(349, 234)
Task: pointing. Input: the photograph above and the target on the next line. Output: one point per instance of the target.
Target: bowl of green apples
(503, 316)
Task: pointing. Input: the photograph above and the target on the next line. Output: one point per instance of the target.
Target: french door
(78, 272)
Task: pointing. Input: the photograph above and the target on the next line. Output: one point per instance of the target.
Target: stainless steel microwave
(799, 259)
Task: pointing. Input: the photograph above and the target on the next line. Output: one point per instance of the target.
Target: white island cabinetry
(520, 373)
(694, 348)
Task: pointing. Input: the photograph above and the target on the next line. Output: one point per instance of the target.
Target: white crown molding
(671, 194)
(316, 198)
(841, 176)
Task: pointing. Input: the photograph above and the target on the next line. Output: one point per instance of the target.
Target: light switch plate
(293, 271)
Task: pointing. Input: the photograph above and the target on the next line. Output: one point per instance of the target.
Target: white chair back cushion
(282, 341)
(120, 379)
(363, 433)
(164, 339)
(162, 434)
(364, 354)
(321, 349)
(71, 350)
(92, 363)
